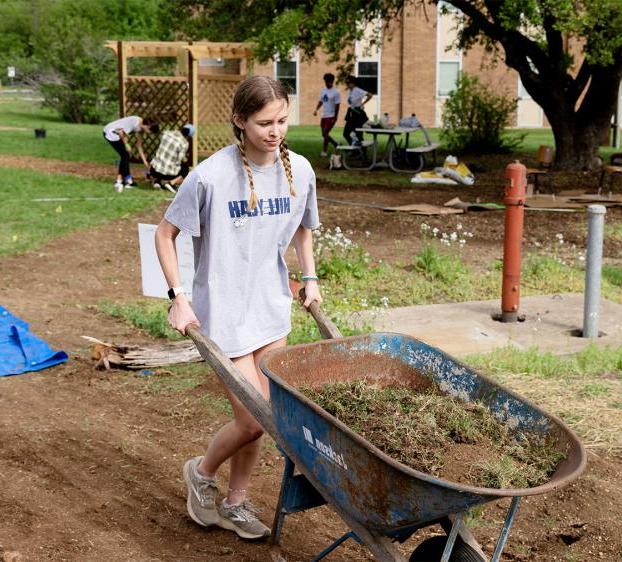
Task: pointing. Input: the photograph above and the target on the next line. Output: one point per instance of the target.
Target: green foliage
(437, 266)
(149, 315)
(337, 256)
(475, 119)
(58, 46)
(613, 274)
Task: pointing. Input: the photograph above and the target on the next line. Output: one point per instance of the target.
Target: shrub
(474, 119)
(337, 256)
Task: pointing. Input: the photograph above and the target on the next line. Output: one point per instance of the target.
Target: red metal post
(515, 190)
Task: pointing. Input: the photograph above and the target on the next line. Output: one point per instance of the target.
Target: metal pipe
(515, 193)
(593, 267)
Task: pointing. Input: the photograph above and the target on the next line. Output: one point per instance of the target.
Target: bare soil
(91, 461)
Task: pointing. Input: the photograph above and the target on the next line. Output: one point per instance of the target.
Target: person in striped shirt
(170, 164)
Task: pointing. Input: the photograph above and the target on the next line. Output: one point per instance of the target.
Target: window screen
(368, 76)
(448, 73)
(286, 73)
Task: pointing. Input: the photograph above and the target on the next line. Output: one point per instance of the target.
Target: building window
(286, 73)
(367, 76)
(448, 74)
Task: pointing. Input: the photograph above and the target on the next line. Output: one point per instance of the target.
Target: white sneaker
(323, 153)
(169, 187)
(118, 187)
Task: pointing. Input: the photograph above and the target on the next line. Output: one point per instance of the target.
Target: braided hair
(251, 96)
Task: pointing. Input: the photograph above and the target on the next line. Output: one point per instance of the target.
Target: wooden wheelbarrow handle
(328, 330)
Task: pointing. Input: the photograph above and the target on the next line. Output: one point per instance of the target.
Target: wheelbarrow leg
(451, 538)
(279, 514)
(333, 546)
(496, 556)
(297, 494)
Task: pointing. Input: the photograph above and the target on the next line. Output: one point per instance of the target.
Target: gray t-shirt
(129, 124)
(241, 290)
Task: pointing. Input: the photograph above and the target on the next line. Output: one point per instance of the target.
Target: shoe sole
(217, 519)
(230, 526)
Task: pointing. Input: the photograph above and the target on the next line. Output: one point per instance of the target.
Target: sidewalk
(464, 328)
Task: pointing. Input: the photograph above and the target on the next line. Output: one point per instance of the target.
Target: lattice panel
(167, 100)
(215, 95)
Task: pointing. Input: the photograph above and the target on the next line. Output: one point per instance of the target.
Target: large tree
(568, 53)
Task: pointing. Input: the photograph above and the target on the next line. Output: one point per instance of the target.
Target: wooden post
(193, 83)
(122, 64)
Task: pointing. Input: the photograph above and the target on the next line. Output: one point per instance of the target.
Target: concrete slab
(468, 327)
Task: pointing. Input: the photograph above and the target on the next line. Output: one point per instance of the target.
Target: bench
(412, 159)
(358, 150)
(612, 172)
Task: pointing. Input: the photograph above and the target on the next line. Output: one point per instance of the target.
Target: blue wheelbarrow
(382, 501)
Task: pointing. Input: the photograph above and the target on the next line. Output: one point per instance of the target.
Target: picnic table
(398, 155)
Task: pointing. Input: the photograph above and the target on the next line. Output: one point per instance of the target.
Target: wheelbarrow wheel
(431, 550)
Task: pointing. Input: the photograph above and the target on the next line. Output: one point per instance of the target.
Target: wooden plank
(136, 78)
(154, 48)
(122, 68)
(222, 77)
(209, 50)
(193, 106)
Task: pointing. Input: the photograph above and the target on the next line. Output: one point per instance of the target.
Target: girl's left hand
(312, 293)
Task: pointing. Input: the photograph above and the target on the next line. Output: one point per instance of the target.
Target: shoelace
(203, 487)
(246, 510)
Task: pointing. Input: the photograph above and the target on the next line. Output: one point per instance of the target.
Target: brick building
(413, 71)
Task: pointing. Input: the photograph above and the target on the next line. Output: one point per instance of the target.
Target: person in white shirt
(117, 133)
(330, 100)
(355, 116)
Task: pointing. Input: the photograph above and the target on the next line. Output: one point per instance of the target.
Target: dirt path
(91, 461)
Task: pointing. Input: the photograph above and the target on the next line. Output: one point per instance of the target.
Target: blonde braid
(287, 166)
(252, 200)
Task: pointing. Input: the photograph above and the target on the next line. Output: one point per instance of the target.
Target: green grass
(26, 222)
(442, 278)
(613, 275)
(176, 378)
(593, 361)
(613, 230)
(64, 141)
(147, 314)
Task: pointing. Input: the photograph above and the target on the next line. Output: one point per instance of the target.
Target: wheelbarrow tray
(378, 492)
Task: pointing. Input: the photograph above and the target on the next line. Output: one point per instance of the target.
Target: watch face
(171, 294)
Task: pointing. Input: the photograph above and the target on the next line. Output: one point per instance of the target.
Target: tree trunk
(576, 147)
(580, 131)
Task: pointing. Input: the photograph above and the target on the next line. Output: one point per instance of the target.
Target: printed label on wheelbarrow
(325, 450)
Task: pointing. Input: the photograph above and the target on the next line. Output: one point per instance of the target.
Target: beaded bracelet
(309, 278)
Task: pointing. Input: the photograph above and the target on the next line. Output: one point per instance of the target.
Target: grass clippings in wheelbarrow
(440, 435)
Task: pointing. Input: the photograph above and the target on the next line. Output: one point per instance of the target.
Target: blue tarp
(21, 351)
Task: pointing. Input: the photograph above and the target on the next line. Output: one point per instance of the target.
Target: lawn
(84, 143)
(37, 207)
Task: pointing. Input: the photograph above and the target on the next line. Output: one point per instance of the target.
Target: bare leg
(239, 439)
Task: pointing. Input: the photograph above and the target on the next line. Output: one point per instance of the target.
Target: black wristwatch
(174, 291)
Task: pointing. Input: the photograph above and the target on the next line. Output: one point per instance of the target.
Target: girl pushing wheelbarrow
(243, 206)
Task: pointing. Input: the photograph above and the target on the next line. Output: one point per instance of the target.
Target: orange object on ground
(515, 193)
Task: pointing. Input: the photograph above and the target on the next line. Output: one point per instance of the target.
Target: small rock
(12, 556)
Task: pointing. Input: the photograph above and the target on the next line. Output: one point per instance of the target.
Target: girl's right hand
(181, 315)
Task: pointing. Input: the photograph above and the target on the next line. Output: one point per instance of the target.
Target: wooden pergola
(193, 95)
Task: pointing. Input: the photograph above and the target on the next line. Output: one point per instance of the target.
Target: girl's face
(265, 129)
